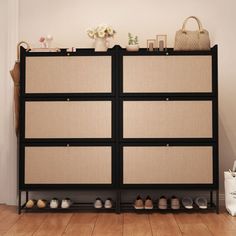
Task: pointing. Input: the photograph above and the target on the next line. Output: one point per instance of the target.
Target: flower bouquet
(100, 34)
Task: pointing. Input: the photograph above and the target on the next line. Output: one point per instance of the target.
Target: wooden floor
(104, 224)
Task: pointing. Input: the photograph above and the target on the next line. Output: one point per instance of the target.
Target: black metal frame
(117, 142)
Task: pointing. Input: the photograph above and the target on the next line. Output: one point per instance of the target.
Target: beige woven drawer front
(77, 119)
(81, 74)
(167, 74)
(167, 119)
(167, 165)
(68, 165)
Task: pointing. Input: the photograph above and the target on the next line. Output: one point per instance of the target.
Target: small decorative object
(46, 42)
(132, 43)
(49, 39)
(101, 34)
(151, 45)
(72, 49)
(42, 41)
(161, 40)
(192, 40)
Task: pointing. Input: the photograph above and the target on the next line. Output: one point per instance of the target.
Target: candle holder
(161, 41)
(151, 45)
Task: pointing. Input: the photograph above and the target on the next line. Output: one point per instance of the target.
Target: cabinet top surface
(116, 49)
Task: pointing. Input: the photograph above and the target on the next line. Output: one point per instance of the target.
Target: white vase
(100, 45)
(132, 48)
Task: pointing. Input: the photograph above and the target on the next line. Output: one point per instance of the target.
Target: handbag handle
(198, 22)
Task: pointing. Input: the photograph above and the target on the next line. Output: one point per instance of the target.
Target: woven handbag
(186, 40)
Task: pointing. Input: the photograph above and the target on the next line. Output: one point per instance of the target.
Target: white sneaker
(66, 203)
(187, 202)
(98, 203)
(54, 203)
(201, 202)
(108, 203)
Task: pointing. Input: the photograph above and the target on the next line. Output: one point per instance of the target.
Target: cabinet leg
(19, 203)
(118, 201)
(26, 196)
(211, 198)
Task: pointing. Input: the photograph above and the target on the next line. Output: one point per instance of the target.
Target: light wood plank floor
(106, 224)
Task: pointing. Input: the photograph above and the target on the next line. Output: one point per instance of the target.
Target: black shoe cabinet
(118, 121)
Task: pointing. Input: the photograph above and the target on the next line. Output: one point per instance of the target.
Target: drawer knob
(67, 145)
(67, 99)
(167, 99)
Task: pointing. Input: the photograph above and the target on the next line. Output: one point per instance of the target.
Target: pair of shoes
(98, 204)
(174, 203)
(65, 203)
(201, 202)
(140, 204)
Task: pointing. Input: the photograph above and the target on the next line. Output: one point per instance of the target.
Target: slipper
(175, 205)
(41, 203)
(66, 203)
(54, 203)
(138, 204)
(187, 202)
(148, 205)
(108, 203)
(201, 202)
(162, 204)
(98, 203)
(30, 203)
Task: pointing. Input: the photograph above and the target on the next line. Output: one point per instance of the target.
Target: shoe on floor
(201, 202)
(148, 203)
(54, 203)
(162, 204)
(66, 203)
(187, 202)
(41, 203)
(98, 203)
(138, 204)
(30, 203)
(108, 203)
(175, 204)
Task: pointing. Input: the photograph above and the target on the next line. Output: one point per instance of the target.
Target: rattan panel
(168, 165)
(80, 119)
(167, 119)
(68, 165)
(167, 74)
(81, 74)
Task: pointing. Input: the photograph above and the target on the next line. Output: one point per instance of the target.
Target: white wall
(2, 94)
(68, 21)
(8, 148)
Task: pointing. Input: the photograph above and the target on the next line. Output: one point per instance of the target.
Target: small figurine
(46, 42)
(42, 41)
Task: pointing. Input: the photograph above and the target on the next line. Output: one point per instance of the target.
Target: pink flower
(41, 39)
